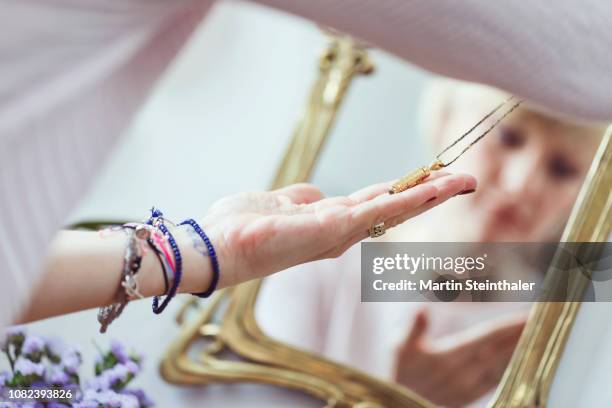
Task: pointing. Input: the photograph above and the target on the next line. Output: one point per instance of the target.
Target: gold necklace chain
(419, 175)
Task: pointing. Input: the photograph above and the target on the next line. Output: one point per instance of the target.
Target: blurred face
(529, 171)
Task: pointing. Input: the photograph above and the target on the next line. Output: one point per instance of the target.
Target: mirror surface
(529, 170)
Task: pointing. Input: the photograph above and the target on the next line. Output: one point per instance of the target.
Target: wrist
(197, 268)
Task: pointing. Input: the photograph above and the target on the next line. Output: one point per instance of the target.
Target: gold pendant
(419, 175)
(415, 177)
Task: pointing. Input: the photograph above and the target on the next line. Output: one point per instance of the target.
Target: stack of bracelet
(156, 235)
(131, 265)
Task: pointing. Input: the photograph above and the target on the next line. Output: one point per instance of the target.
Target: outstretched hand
(256, 234)
(459, 369)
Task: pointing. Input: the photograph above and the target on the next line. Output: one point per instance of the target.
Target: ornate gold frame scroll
(527, 380)
(227, 323)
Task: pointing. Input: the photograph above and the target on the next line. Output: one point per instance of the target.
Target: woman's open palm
(259, 233)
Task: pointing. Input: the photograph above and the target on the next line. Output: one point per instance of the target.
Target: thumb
(418, 329)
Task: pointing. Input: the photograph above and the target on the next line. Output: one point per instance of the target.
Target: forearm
(83, 270)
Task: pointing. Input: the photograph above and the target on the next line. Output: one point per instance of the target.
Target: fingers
(386, 207)
(351, 221)
(375, 190)
(447, 188)
(370, 192)
(418, 329)
(489, 344)
(506, 332)
(464, 388)
(408, 204)
(301, 193)
(412, 354)
(479, 356)
(482, 363)
(486, 371)
(453, 184)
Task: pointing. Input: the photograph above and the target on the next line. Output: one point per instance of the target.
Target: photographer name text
(454, 285)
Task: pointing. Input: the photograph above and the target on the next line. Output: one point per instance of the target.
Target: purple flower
(27, 367)
(55, 349)
(98, 360)
(143, 400)
(40, 384)
(119, 373)
(109, 399)
(32, 405)
(45, 362)
(4, 378)
(71, 361)
(13, 334)
(15, 331)
(85, 404)
(115, 377)
(99, 383)
(132, 367)
(57, 376)
(32, 345)
(128, 401)
(119, 351)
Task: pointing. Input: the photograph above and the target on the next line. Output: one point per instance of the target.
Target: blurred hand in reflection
(458, 369)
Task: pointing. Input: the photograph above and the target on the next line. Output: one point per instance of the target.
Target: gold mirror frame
(228, 324)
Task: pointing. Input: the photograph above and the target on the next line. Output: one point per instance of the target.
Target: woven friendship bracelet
(157, 221)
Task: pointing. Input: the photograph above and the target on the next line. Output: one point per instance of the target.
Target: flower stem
(10, 359)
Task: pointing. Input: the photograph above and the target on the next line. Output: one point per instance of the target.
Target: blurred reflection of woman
(529, 172)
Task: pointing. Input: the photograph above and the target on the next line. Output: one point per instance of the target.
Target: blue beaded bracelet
(158, 221)
(213, 258)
